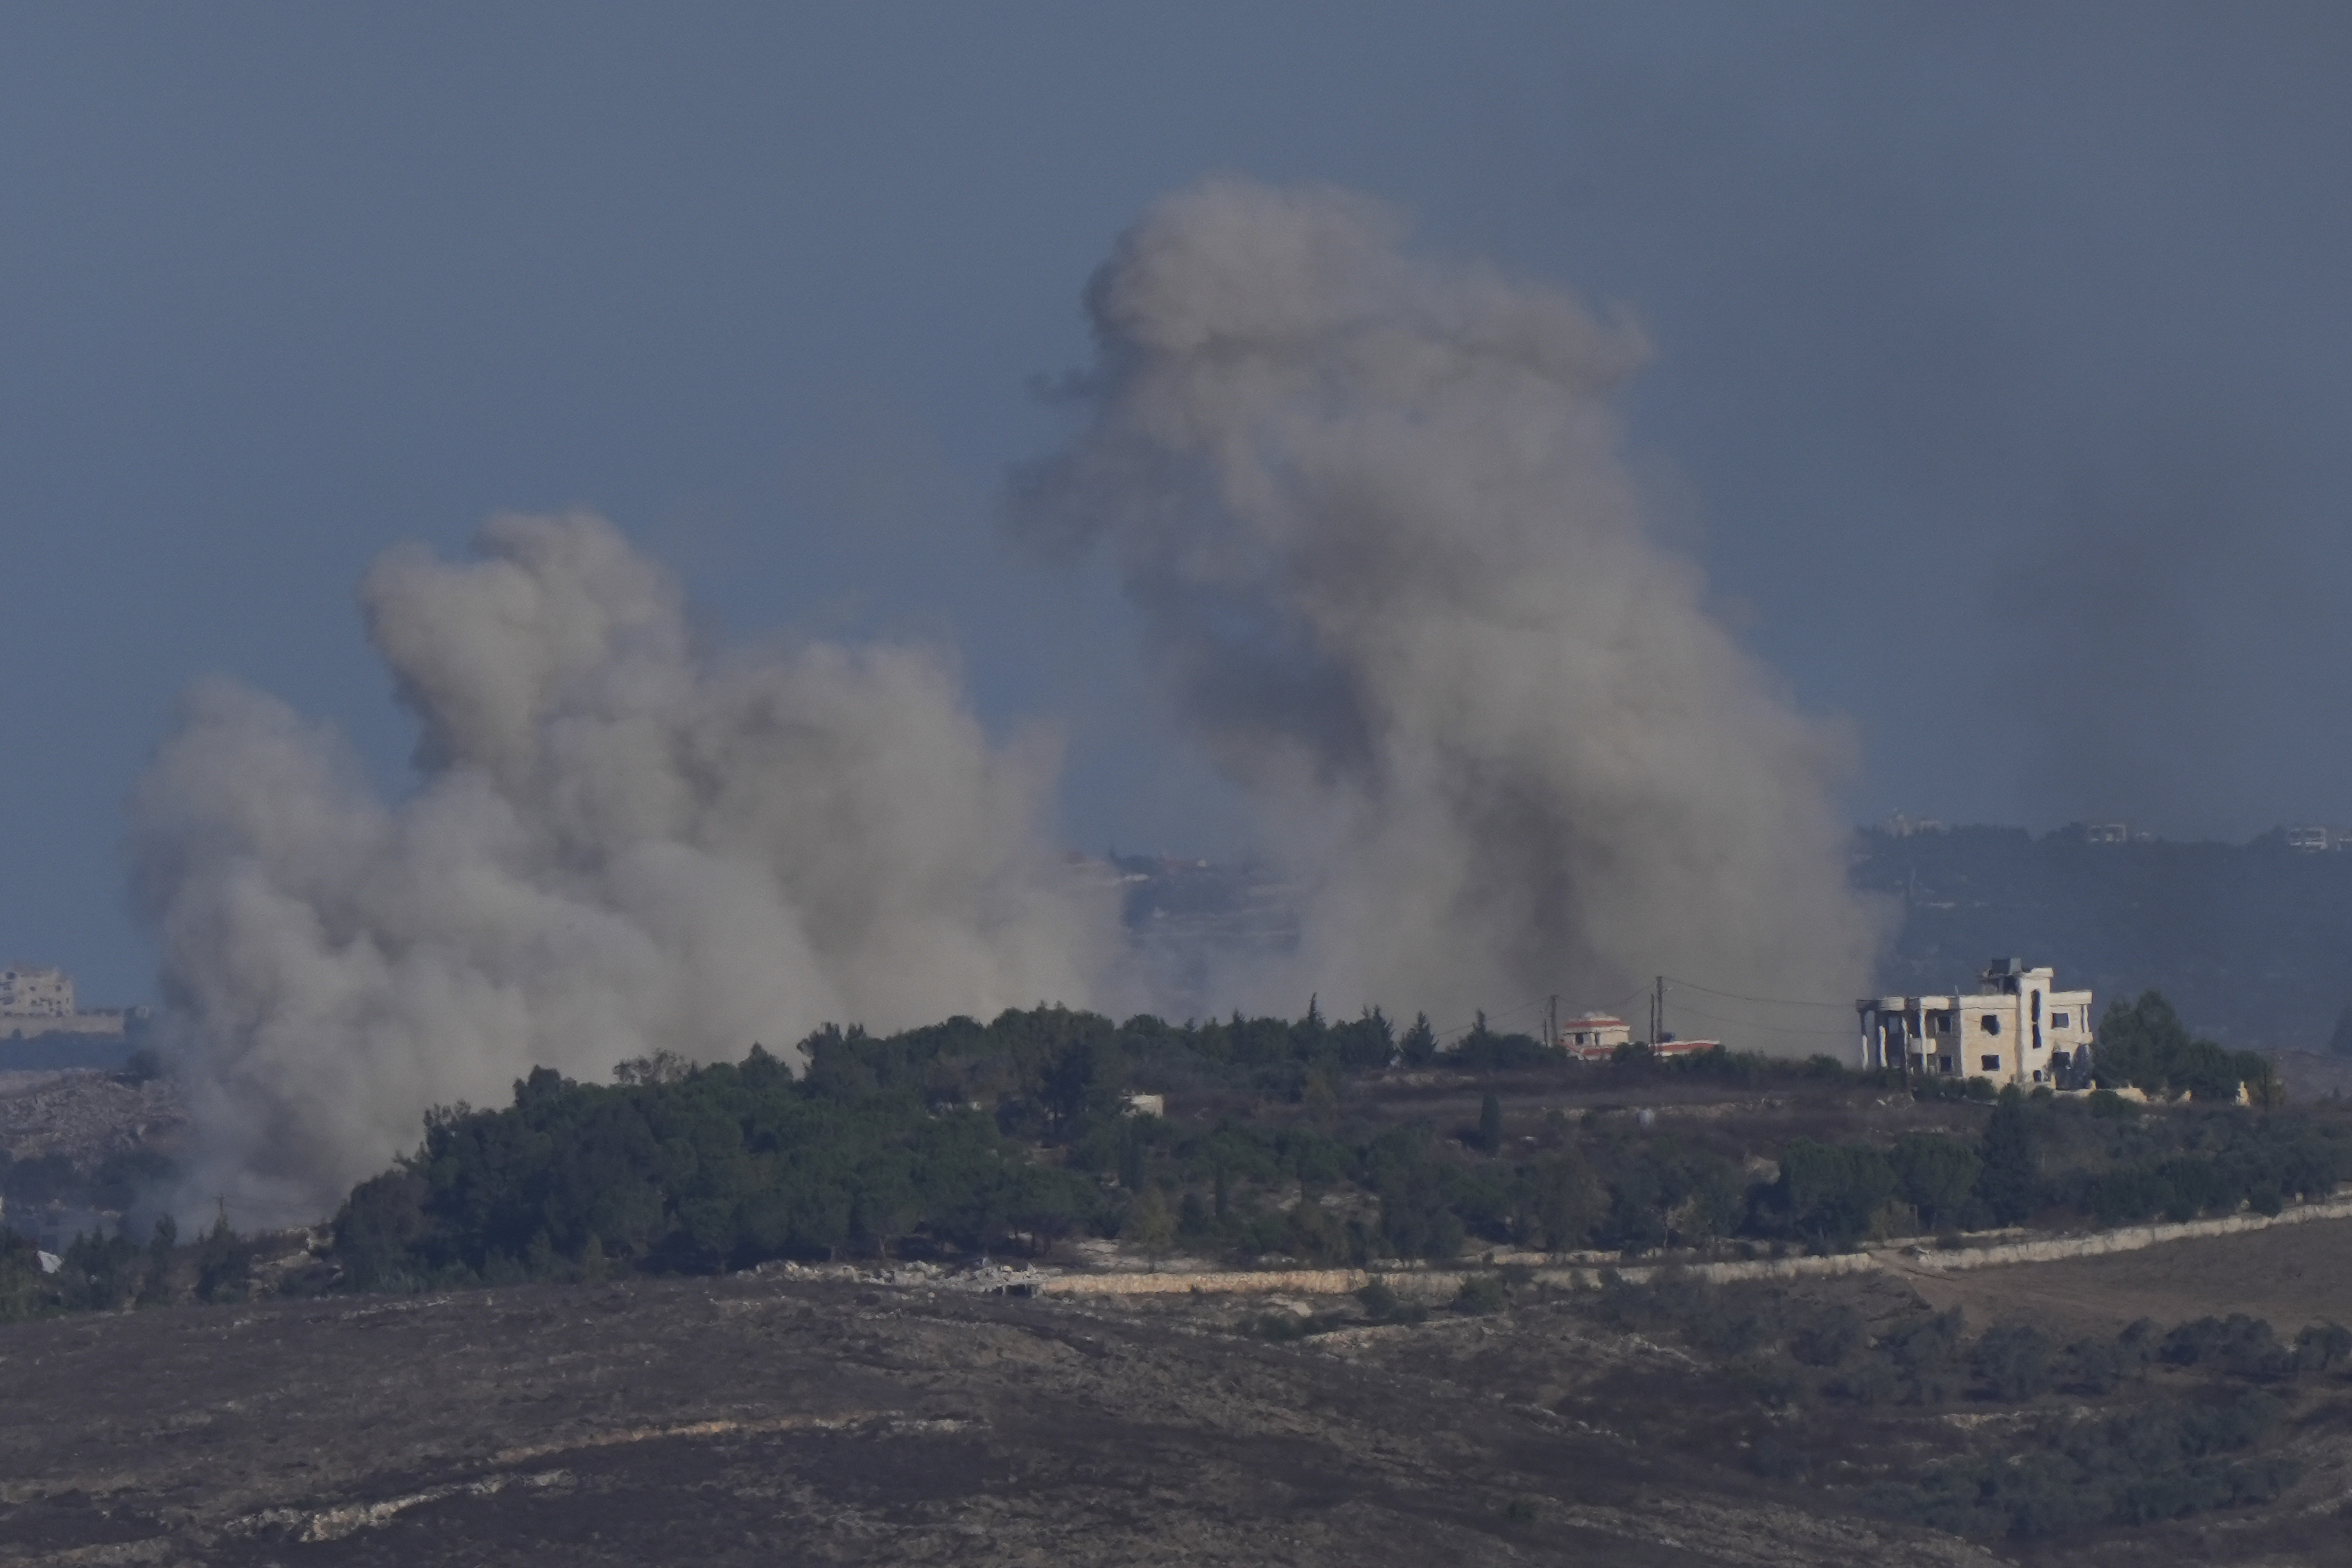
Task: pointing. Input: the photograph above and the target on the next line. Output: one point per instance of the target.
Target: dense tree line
(2143, 1045)
(969, 1137)
(2100, 1158)
(1013, 1134)
(99, 1272)
(711, 1168)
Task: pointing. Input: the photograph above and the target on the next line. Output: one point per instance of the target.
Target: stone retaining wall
(1437, 1284)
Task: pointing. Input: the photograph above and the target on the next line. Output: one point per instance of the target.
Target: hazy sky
(2002, 375)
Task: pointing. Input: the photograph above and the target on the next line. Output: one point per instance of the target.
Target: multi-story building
(2016, 1028)
(38, 1000)
(30, 991)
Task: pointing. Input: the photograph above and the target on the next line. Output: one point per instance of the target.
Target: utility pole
(1551, 1023)
(1658, 1014)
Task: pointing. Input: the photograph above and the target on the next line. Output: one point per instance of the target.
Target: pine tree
(1149, 1225)
(2009, 1184)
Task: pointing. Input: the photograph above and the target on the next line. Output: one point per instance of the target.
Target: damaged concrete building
(2016, 1028)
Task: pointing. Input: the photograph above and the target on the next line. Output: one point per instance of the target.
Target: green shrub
(1936, 1175)
(1830, 1337)
(2012, 1361)
(2099, 1366)
(1481, 1294)
(2238, 1344)
(2131, 1467)
(1830, 1192)
(2321, 1347)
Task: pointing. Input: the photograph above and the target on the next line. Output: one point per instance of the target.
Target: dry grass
(2292, 1276)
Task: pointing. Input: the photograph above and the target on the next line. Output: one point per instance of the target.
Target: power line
(1492, 1019)
(1813, 1031)
(1611, 1010)
(1768, 1001)
(1615, 1009)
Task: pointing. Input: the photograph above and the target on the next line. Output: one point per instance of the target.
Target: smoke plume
(621, 843)
(1388, 560)
(1397, 580)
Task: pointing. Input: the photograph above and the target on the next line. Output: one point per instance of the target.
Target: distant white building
(1592, 1034)
(37, 1000)
(32, 990)
(2018, 1027)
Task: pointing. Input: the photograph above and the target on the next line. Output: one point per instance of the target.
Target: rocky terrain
(85, 1115)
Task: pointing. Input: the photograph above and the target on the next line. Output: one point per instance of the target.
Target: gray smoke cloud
(1390, 562)
(1396, 575)
(623, 842)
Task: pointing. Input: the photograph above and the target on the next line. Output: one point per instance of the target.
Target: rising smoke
(1397, 579)
(621, 844)
(1387, 558)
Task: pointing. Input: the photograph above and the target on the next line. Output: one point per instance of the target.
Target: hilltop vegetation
(1303, 1140)
(1283, 1139)
(1353, 1141)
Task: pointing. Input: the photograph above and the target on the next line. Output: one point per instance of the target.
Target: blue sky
(2003, 377)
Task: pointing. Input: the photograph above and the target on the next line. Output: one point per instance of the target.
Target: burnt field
(756, 1418)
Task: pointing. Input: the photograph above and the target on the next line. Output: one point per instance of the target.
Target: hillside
(730, 1313)
(760, 1417)
(2252, 942)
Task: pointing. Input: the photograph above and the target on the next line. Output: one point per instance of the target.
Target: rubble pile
(86, 1115)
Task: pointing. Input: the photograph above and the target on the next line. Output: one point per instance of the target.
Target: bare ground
(763, 1420)
(746, 1421)
(2293, 1275)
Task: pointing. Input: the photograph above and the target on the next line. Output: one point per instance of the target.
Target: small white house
(1593, 1035)
(2016, 1028)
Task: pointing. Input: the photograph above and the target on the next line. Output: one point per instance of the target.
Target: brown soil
(2293, 1275)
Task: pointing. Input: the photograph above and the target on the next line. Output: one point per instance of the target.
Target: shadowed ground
(741, 1421)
